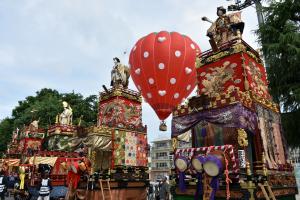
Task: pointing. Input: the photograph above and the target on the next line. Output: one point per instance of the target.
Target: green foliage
(280, 38)
(45, 106)
(290, 123)
(6, 126)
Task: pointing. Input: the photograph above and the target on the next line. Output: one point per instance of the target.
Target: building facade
(161, 158)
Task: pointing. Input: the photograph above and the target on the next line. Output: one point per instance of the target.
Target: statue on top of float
(34, 125)
(65, 118)
(227, 27)
(119, 74)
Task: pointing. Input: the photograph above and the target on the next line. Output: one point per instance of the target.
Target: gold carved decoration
(215, 57)
(126, 93)
(174, 143)
(100, 130)
(242, 137)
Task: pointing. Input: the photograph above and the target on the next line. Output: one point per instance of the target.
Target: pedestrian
(11, 181)
(156, 192)
(45, 187)
(164, 190)
(150, 192)
(3, 184)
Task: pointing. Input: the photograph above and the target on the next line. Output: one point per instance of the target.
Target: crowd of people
(10, 185)
(160, 191)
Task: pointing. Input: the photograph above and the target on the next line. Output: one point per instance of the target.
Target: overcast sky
(69, 44)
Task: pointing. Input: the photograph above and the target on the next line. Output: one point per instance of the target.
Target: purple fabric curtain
(235, 116)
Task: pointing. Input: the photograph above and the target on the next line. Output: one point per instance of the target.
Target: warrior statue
(65, 118)
(119, 74)
(226, 27)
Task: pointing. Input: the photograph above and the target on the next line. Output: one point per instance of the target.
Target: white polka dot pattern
(161, 66)
(176, 95)
(188, 87)
(146, 54)
(151, 81)
(173, 81)
(188, 70)
(177, 53)
(161, 39)
(162, 92)
(138, 71)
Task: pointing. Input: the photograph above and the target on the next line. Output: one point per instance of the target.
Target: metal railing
(160, 168)
(161, 158)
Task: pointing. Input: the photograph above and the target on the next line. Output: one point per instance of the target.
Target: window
(161, 154)
(161, 144)
(161, 165)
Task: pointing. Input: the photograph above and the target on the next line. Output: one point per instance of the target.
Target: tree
(6, 126)
(45, 106)
(280, 38)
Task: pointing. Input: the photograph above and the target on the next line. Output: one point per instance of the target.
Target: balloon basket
(163, 126)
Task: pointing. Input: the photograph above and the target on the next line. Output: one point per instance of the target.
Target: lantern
(162, 66)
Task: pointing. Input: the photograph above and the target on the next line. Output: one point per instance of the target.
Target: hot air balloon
(162, 66)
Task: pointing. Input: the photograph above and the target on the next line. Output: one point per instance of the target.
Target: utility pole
(240, 6)
(260, 18)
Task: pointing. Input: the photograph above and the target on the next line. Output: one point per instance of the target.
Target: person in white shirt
(45, 187)
(3, 184)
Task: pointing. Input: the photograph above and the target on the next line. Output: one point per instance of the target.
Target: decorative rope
(228, 180)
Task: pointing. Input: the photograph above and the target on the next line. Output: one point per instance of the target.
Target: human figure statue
(119, 74)
(22, 177)
(34, 125)
(65, 118)
(14, 136)
(226, 27)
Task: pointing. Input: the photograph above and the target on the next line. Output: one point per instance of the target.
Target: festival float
(27, 156)
(238, 149)
(114, 165)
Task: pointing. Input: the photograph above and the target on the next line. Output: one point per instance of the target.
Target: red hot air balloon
(162, 66)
